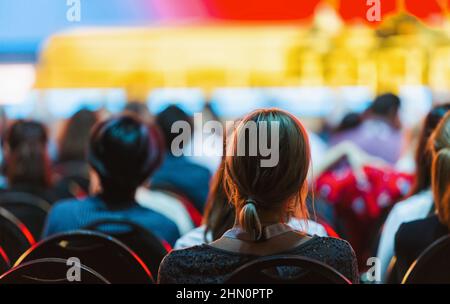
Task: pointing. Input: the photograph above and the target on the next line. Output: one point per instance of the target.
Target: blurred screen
(355, 98)
(24, 109)
(416, 103)
(236, 102)
(305, 101)
(189, 100)
(64, 103)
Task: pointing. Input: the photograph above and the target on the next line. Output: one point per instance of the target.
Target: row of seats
(130, 254)
(22, 218)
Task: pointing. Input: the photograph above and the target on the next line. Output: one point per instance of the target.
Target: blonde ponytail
(249, 220)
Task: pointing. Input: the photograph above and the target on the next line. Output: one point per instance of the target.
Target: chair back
(297, 270)
(391, 276)
(144, 243)
(29, 209)
(15, 238)
(52, 271)
(432, 266)
(105, 254)
(5, 263)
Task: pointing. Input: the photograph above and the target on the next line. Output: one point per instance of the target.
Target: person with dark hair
(386, 106)
(123, 154)
(414, 237)
(379, 132)
(350, 121)
(178, 173)
(264, 200)
(419, 204)
(26, 162)
(71, 168)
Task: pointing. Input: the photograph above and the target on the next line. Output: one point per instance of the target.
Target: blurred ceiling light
(16, 81)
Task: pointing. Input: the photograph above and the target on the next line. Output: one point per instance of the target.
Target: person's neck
(117, 199)
(270, 218)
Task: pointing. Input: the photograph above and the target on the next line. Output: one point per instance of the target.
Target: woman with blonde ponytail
(414, 237)
(265, 178)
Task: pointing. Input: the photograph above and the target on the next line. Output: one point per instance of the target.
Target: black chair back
(51, 271)
(146, 245)
(105, 254)
(5, 263)
(432, 266)
(392, 276)
(29, 209)
(298, 270)
(15, 238)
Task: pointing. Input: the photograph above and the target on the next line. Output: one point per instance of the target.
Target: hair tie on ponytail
(249, 220)
(250, 200)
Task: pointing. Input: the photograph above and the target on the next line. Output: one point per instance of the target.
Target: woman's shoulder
(192, 254)
(194, 263)
(329, 243)
(334, 252)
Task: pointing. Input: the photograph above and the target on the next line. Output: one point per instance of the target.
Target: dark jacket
(413, 238)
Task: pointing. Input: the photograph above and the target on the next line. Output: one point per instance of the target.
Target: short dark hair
(167, 118)
(124, 152)
(385, 105)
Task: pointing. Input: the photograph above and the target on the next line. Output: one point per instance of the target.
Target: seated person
(414, 237)
(71, 168)
(379, 133)
(419, 203)
(123, 153)
(219, 217)
(27, 164)
(265, 198)
(178, 173)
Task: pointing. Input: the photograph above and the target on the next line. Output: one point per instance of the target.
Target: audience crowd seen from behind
(123, 168)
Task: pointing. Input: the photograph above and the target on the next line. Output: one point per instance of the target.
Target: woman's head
(74, 138)
(124, 153)
(25, 150)
(272, 193)
(423, 157)
(440, 172)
